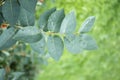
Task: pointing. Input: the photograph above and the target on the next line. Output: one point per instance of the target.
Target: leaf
(54, 21)
(68, 24)
(55, 47)
(73, 43)
(26, 18)
(90, 43)
(28, 34)
(2, 74)
(6, 36)
(11, 10)
(87, 24)
(39, 46)
(29, 5)
(44, 18)
(8, 44)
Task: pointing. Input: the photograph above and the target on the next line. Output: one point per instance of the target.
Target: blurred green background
(101, 64)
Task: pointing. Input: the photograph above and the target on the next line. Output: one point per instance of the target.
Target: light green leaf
(6, 37)
(68, 24)
(29, 5)
(44, 18)
(11, 10)
(74, 43)
(90, 43)
(87, 24)
(26, 18)
(39, 46)
(55, 47)
(54, 21)
(28, 34)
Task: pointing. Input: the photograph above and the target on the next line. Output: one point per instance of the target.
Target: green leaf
(39, 46)
(54, 21)
(68, 24)
(74, 43)
(2, 74)
(26, 18)
(5, 38)
(8, 44)
(29, 5)
(28, 34)
(44, 18)
(55, 47)
(87, 24)
(11, 10)
(90, 43)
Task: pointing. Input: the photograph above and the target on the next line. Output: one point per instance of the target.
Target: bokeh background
(100, 64)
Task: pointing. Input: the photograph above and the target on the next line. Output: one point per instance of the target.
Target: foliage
(49, 37)
(102, 64)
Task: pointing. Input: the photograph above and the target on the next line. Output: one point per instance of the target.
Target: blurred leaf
(6, 37)
(13, 7)
(39, 46)
(55, 47)
(28, 34)
(68, 24)
(2, 74)
(8, 44)
(29, 5)
(44, 18)
(90, 43)
(26, 18)
(87, 24)
(54, 21)
(74, 43)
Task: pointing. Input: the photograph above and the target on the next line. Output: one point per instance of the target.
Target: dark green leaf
(39, 46)
(5, 37)
(29, 5)
(55, 47)
(68, 24)
(11, 10)
(26, 18)
(74, 43)
(87, 24)
(28, 34)
(44, 18)
(54, 21)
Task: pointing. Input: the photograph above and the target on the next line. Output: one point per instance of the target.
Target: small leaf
(11, 10)
(44, 18)
(68, 24)
(6, 36)
(54, 21)
(28, 34)
(74, 43)
(87, 24)
(55, 47)
(26, 18)
(90, 43)
(29, 5)
(39, 46)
